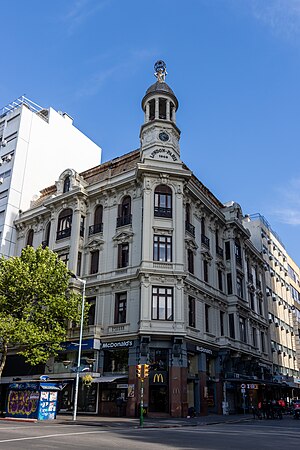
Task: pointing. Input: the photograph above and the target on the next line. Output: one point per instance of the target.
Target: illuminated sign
(117, 344)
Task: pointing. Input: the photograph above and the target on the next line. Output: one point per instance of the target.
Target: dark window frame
(162, 248)
(120, 307)
(162, 303)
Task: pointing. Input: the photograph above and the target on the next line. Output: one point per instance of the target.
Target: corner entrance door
(158, 399)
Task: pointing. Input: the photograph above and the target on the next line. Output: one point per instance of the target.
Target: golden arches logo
(158, 378)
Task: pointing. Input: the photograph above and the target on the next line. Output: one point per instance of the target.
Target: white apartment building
(282, 288)
(36, 145)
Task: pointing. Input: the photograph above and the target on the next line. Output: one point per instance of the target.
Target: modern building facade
(36, 144)
(172, 278)
(282, 285)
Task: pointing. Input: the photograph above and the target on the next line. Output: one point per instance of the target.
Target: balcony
(205, 240)
(62, 234)
(124, 220)
(219, 251)
(94, 229)
(162, 212)
(190, 228)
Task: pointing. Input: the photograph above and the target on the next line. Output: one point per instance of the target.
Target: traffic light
(146, 370)
(139, 370)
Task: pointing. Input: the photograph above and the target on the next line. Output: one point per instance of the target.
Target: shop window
(116, 361)
(120, 307)
(162, 303)
(162, 248)
(163, 201)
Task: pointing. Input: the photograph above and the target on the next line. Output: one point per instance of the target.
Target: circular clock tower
(159, 133)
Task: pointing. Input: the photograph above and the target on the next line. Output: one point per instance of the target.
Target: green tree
(35, 305)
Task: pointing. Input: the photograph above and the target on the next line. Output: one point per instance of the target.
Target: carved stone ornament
(123, 236)
(94, 244)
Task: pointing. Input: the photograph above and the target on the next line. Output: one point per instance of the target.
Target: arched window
(67, 184)
(30, 238)
(45, 242)
(97, 227)
(124, 216)
(64, 224)
(163, 201)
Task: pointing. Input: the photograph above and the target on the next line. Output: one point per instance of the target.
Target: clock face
(163, 136)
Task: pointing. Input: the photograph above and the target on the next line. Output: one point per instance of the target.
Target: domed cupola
(159, 132)
(160, 102)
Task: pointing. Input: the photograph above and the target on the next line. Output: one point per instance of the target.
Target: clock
(163, 136)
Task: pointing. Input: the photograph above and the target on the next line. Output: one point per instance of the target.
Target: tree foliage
(35, 304)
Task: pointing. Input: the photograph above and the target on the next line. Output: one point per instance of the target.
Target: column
(157, 108)
(203, 386)
(168, 110)
(74, 241)
(147, 112)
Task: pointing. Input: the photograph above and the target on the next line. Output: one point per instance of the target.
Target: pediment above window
(94, 244)
(123, 236)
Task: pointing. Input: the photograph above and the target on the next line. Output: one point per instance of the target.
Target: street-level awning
(108, 379)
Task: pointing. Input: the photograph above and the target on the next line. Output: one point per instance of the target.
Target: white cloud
(289, 197)
(81, 11)
(282, 17)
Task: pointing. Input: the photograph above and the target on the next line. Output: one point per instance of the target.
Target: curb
(18, 419)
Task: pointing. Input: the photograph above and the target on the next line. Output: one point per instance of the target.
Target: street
(236, 436)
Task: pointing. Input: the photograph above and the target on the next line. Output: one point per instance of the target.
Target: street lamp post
(79, 349)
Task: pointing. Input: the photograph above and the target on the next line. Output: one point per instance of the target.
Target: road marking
(50, 436)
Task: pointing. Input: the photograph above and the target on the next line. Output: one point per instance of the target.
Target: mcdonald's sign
(158, 378)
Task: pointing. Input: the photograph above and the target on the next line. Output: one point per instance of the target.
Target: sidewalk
(169, 422)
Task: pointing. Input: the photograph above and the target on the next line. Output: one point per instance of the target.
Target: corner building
(173, 279)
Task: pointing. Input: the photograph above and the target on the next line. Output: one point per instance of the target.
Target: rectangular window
(65, 258)
(220, 279)
(92, 310)
(123, 255)
(227, 250)
(94, 261)
(254, 341)
(192, 312)
(79, 258)
(262, 340)
(120, 307)
(243, 330)
(239, 286)
(162, 248)
(162, 303)
(205, 270)
(260, 307)
(207, 321)
(82, 220)
(222, 315)
(231, 325)
(229, 284)
(190, 257)
(252, 304)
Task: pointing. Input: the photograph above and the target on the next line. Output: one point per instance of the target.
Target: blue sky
(233, 64)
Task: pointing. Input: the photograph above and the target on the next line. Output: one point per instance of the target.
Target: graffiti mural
(24, 403)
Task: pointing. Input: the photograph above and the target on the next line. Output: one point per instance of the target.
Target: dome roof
(160, 88)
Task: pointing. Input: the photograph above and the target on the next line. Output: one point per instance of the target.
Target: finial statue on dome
(160, 71)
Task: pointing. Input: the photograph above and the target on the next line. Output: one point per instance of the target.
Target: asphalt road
(258, 435)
